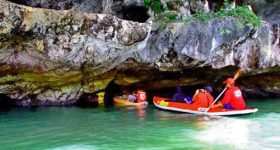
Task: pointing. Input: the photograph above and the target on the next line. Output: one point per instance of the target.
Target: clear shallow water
(67, 128)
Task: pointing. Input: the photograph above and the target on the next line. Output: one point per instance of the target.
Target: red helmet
(229, 81)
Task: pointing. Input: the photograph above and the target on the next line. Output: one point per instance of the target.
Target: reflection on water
(240, 133)
(202, 122)
(60, 128)
(226, 131)
(141, 111)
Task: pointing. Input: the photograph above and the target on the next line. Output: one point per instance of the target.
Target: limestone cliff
(52, 57)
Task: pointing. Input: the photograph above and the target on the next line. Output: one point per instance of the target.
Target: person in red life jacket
(233, 98)
(203, 97)
(141, 96)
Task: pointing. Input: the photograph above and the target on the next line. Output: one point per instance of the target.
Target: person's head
(201, 90)
(229, 82)
(208, 88)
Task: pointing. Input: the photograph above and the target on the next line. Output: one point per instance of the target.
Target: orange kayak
(118, 101)
(164, 103)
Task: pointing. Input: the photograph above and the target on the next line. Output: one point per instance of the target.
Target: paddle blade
(237, 74)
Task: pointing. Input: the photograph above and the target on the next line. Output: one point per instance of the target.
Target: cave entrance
(5, 102)
(168, 92)
(103, 97)
(135, 13)
(21, 2)
(111, 91)
(88, 100)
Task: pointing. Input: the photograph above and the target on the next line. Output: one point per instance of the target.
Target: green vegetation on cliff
(241, 12)
(165, 16)
(155, 5)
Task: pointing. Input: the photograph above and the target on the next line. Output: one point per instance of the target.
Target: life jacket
(203, 99)
(141, 96)
(233, 96)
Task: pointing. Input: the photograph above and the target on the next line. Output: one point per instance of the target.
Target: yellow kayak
(119, 101)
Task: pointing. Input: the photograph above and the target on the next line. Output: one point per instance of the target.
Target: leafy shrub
(241, 12)
(155, 5)
(171, 16)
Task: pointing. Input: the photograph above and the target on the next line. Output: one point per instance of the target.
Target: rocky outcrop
(190, 49)
(126, 9)
(88, 6)
(268, 10)
(51, 57)
(231, 44)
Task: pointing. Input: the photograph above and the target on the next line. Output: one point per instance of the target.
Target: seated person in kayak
(178, 96)
(203, 97)
(132, 97)
(233, 98)
(141, 96)
(124, 95)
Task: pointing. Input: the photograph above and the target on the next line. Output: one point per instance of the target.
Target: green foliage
(155, 5)
(247, 15)
(224, 31)
(203, 16)
(239, 25)
(241, 12)
(170, 16)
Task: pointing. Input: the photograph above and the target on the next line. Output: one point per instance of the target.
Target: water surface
(63, 128)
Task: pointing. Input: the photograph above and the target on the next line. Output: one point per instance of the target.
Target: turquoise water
(67, 128)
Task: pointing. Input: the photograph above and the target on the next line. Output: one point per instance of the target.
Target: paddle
(237, 74)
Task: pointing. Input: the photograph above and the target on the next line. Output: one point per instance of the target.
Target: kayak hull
(163, 103)
(118, 101)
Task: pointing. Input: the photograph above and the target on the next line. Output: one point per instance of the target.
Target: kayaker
(178, 96)
(141, 96)
(203, 97)
(132, 97)
(233, 98)
(125, 94)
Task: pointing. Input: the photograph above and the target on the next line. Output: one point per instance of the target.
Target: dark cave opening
(106, 96)
(5, 102)
(135, 13)
(21, 2)
(88, 100)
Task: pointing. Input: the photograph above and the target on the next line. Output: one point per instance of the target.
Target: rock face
(88, 6)
(218, 44)
(46, 54)
(125, 9)
(268, 10)
(52, 57)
